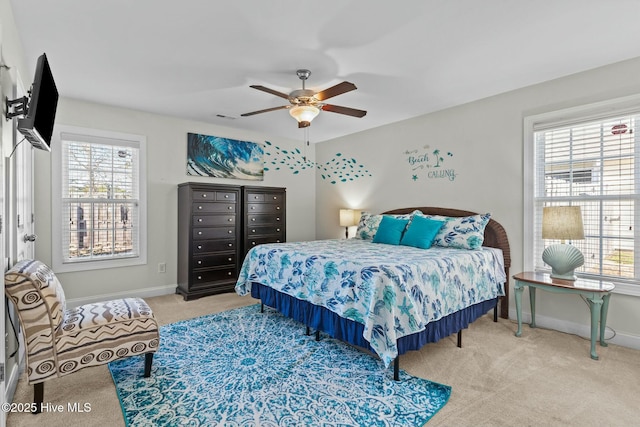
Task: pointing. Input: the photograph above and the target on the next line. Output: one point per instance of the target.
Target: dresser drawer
(214, 246)
(264, 197)
(217, 207)
(206, 233)
(272, 229)
(216, 260)
(261, 240)
(199, 195)
(200, 278)
(263, 208)
(208, 220)
(263, 219)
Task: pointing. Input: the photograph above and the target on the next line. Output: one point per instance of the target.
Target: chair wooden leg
(38, 397)
(148, 360)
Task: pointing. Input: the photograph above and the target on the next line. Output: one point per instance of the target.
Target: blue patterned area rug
(246, 368)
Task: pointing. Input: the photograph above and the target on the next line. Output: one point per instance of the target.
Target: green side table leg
(532, 301)
(595, 304)
(603, 319)
(518, 297)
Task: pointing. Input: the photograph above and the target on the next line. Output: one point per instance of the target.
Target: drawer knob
(253, 231)
(253, 219)
(230, 231)
(199, 277)
(255, 197)
(204, 195)
(253, 207)
(278, 219)
(199, 207)
(277, 229)
(229, 274)
(230, 207)
(278, 241)
(230, 259)
(277, 208)
(199, 219)
(230, 245)
(275, 197)
(253, 243)
(199, 246)
(226, 196)
(230, 219)
(199, 233)
(199, 262)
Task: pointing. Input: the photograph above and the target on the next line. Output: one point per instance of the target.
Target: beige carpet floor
(544, 378)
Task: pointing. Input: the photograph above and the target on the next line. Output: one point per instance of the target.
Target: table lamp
(562, 223)
(347, 219)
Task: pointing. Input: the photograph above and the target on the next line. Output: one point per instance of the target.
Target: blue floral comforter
(392, 290)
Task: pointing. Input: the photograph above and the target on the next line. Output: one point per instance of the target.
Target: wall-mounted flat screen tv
(37, 125)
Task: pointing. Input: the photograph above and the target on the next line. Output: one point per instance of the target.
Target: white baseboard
(582, 330)
(140, 293)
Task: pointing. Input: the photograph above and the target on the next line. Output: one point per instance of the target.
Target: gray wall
(485, 139)
(166, 168)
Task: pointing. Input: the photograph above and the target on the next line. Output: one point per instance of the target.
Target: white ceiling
(196, 58)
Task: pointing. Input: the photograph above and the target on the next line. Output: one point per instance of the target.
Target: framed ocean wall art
(224, 158)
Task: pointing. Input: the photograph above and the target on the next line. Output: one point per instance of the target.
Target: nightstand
(596, 293)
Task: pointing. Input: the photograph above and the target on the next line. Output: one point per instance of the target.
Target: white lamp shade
(304, 113)
(562, 223)
(347, 218)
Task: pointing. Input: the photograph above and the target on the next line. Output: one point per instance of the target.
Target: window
(588, 157)
(99, 200)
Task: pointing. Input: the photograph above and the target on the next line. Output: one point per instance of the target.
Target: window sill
(60, 267)
(626, 289)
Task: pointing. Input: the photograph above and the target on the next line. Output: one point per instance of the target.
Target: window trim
(598, 110)
(56, 197)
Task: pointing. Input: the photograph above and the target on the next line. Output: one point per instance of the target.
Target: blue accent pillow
(421, 232)
(368, 224)
(390, 230)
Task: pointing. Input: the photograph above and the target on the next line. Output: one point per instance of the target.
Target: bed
(388, 299)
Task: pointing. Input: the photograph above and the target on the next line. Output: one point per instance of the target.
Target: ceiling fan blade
(271, 91)
(265, 110)
(338, 89)
(344, 110)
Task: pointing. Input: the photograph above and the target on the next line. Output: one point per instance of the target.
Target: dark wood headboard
(494, 236)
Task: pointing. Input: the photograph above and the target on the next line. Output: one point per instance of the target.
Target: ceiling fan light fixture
(304, 113)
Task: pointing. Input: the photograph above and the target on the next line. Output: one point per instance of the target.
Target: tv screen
(37, 125)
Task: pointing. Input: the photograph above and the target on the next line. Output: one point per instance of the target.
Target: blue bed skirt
(320, 318)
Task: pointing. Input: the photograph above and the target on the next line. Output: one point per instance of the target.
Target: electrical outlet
(162, 267)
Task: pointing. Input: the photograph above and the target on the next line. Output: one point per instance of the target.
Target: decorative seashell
(563, 259)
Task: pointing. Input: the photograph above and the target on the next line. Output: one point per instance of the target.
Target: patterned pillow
(461, 232)
(368, 226)
(369, 223)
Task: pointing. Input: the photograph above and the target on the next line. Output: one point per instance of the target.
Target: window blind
(592, 164)
(100, 198)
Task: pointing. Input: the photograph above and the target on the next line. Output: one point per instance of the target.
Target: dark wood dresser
(209, 238)
(264, 212)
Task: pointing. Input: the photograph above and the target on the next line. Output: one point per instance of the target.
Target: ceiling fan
(305, 104)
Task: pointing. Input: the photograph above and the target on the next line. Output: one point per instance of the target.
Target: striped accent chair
(60, 341)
